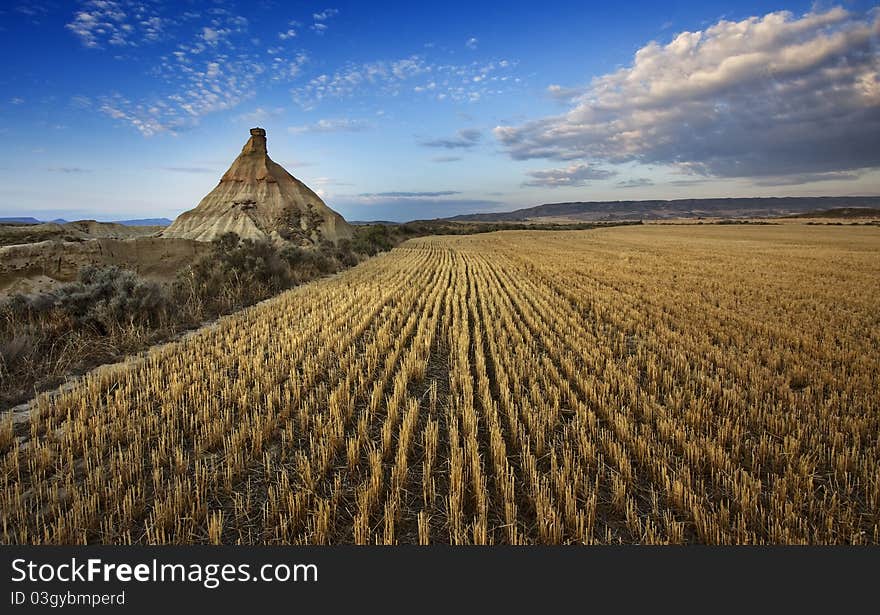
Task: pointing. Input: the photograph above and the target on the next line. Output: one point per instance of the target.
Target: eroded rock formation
(258, 199)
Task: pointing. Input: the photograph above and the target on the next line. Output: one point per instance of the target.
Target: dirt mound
(258, 199)
(17, 234)
(39, 267)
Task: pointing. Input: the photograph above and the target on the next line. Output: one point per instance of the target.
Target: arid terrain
(640, 384)
(18, 233)
(45, 265)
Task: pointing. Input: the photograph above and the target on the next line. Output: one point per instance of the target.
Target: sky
(119, 109)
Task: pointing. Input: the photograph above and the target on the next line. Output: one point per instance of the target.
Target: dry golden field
(636, 384)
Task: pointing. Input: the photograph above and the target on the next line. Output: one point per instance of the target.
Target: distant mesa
(258, 199)
(19, 220)
(138, 222)
(753, 207)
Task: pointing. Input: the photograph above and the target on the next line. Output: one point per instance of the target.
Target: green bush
(372, 239)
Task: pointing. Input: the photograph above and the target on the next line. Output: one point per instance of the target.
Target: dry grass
(641, 384)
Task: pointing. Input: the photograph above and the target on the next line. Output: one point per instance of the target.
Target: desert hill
(19, 220)
(258, 199)
(42, 266)
(138, 222)
(17, 233)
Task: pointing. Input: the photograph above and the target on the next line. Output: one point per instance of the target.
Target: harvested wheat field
(633, 384)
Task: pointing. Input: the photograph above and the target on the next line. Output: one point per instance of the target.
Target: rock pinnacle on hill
(258, 199)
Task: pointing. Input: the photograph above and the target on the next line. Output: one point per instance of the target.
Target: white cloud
(455, 82)
(331, 125)
(213, 35)
(291, 31)
(471, 43)
(285, 68)
(771, 96)
(325, 14)
(148, 121)
(197, 87)
(213, 71)
(118, 23)
(572, 175)
(562, 94)
(16, 101)
(320, 26)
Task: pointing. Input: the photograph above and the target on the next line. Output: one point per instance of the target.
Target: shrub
(372, 239)
(239, 272)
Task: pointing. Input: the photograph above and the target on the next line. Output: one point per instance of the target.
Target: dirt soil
(40, 267)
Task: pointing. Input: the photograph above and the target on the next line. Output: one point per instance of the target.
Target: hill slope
(683, 208)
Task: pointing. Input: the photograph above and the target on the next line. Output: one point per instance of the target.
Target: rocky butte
(258, 199)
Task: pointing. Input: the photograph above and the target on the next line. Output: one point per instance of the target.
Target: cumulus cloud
(572, 175)
(320, 20)
(210, 72)
(562, 94)
(767, 96)
(358, 77)
(212, 36)
(464, 139)
(331, 125)
(285, 67)
(325, 14)
(452, 82)
(290, 32)
(118, 23)
(471, 43)
(201, 87)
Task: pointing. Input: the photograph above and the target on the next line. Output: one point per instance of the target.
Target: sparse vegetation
(646, 384)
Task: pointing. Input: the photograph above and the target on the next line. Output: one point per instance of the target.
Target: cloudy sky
(114, 109)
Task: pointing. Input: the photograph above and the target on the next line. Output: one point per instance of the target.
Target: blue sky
(113, 109)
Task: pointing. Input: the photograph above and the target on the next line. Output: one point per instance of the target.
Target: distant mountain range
(21, 220)
(764, 207)
(138, 222)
